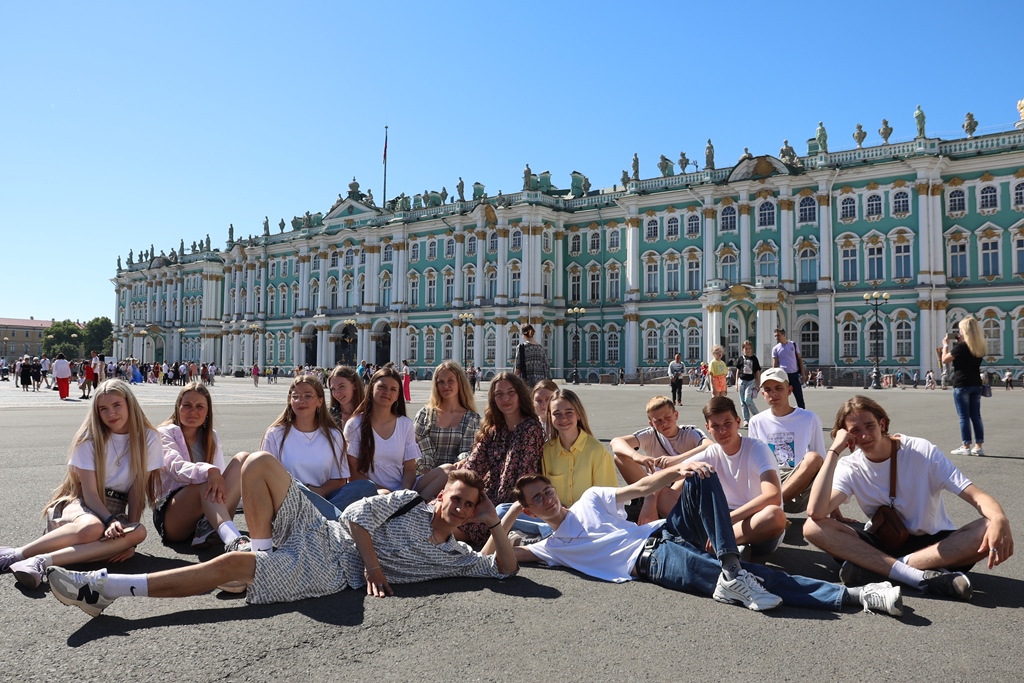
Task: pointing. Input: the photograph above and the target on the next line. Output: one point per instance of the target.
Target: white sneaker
(746, 590)
(963, 450)
(79, 589)
(882, 597)
(977, 450)
(29, 572)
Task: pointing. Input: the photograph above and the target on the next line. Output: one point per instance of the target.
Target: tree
(97, 336)
(63, 337)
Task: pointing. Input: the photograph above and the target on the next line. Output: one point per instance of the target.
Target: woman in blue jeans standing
(965, 354)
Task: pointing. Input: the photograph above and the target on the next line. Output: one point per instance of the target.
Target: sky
(127, 124)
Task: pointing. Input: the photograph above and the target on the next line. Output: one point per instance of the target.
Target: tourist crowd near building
(697, 256)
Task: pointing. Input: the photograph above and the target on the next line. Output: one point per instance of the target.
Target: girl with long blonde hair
(966, 354)
(95, 513)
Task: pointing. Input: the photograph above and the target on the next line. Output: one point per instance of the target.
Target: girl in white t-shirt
(94, 514)
(199, 494)
(381, 439)
(306, 441)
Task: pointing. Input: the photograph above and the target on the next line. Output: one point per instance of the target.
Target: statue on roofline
(709, 156)
(919, 121)
(885, 131)
(821, 137)
(970, 125)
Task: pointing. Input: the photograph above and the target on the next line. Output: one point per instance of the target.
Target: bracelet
(831, 450)
(367, 570)
(496, 525)
(108, 520)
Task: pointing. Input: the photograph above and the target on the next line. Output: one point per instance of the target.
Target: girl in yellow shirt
(719, 372)
(574, 460)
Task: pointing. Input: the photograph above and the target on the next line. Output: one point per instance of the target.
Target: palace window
(449, 288)
(449, 248)
(1018, 255)
(807, 265)
(904, 339)
(387, 254)
(431, 250)
(593, 347)
(414, 253)
(350, 258)
(693, 344)
(694, 282)
(1020, 337)
(414, 347)
(990, 258)
(431, 290)
(470, 286)
(517, 240)
(385, 292)
(1018, 194)
(471, 245)
(808, 210)
(414, 293)
(428, 348)
(672, 276)
(730, 268)
(672, 228)
(992, 333)
(595, 286)
(766, 215)
(671, 343)
(989, 198)
(767, 264)
(727, 221)
(613, 347)
(492, 242)
(334, 259)
(492, 284)
(614, 285)
(575, 245)
(652, 279)
(446, 347)
(902, 262)
(850, 341)
(848, 208)
(651, 346)
(958, 260)
(652, 230)
(490, 346)
(901, 202)
(875, 262)
(956, 201)
(574, 286)
(848, 257)
(515, 288)
(874, 205)
(595, 242)
(809, 336)
(613, 240)
(693, 226)
(545, 241)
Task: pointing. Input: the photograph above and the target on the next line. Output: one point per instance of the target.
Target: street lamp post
(576, 312)
(6, 340)
(181, 344)
(875, 300)
(255, 330)
(345, 324)
(467, 320)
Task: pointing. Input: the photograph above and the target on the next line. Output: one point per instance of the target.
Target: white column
(478, 342)
(631, 341)
(372, 276)
(180, 295)
(712, 319)
(481, 263)
(460, 256)
(746, 260)
(826, 330)
(632, 283)
(767, 321)
(225, 352)
(502, 293)
(150, 302)
(239, 286)
(708, 235)
(827, 245)
(397, 352)
(501, 338)
(558, 276)
(399, 281)
(236, 350)
(250, 290)
(558, 344)
(262, 312)
(786, 279)
(297, 358)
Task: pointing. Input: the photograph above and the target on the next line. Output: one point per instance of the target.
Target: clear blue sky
(129, 123)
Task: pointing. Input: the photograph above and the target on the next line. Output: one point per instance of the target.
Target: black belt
(643, 563)
(116, 495)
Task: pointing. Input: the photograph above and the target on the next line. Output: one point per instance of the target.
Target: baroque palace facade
(674, 263)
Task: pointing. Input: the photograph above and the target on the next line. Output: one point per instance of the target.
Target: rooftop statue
(859, 135)
(575, 184)
(478, 191)
(586, 185)
(970, 125)
(266, 226)
(666, 167)
(417, 201)
(129, 257)
(885, 131)
(280, 226)
(919, 120)
(194, 248)
(181, 247)
(231, 232)
(207, 241)
(119, 263)
(368, 200)
(821, 136)
(353, 189)
(745, 156)
(624, 179)
(527, 177)
(404, 202)
(444, 194)
(317, 219)
(636, 167)
(709, 156)
(461, 189)
(296, 222)
(683, 163)
(787, 154)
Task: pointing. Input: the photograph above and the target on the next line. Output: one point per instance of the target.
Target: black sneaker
(948, 584)
(854, 575)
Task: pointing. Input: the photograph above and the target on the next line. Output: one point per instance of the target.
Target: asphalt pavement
(544, 624)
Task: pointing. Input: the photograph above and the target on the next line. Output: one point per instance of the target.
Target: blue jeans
(748, 392)
(528, 525)
(681, 563)
(968, 407)
(332, 507)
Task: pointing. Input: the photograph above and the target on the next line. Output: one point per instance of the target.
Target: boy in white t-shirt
(749, 476)
(794, 436)
(663, 443)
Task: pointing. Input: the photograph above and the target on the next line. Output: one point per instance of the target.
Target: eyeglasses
(303, 398)
(547, 494)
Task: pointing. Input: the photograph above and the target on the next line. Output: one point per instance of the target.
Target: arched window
(850, 340)
(387, 254)
(848, 208)
(282, 347)
(651, 346)
(446, 347)
(490, 347)
(876, 341)
(613, 348)
(672, 228)
(414, 252)
(334, 259)
(414, 346)
(385, 291)
(574, 245)
(471, 245)
(449, 248)
(808, 212)
(727, 221)
(993, 337)
(651, 233)
(1018, 194)
(874, 205)
(809, 336)
(956, 201)
(904, 339)
(732, 340)
(671, 343)
(431, 250)
(901, 202)
(492, 242)
(347, 298)
(729, 268)
(613, 238)
(332, 296)
(593, 348)
(807, 264)
(428, 348)
(989, 198)
(767, 264)
(545, 241)
(350, 258)
(693, 225)
(766, 215)
(1020, 337)
(595, 241)
(517, 240)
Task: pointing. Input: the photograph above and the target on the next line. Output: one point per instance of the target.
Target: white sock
(19, 554)
(906, 574)
(228, 532)
(47, 559)
(126, 585)
(264, 544)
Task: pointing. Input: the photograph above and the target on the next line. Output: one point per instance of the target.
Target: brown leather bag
(886, 524)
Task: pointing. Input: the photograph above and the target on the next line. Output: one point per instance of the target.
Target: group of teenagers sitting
(347, 491)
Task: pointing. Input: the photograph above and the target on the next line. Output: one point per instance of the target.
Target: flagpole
(385, 193)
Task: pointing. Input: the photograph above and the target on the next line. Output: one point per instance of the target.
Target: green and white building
(674, 263)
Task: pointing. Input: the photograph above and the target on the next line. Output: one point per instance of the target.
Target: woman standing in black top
(965, 354)
(748, 379)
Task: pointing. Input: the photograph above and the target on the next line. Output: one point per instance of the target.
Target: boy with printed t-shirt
(794, 436)
(749, 477)
(664, 443)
